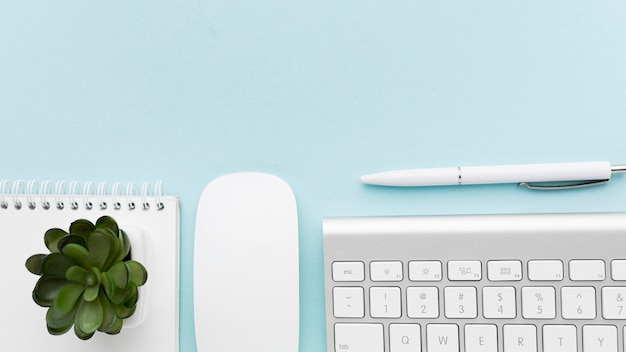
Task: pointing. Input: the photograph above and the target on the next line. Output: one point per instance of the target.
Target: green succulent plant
(87, 280)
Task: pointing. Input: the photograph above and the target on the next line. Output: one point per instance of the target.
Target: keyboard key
(359, 337)
(545, 270)
(613, 302)
(520, 338)
(538, 302)
(460, 302)
(599, 338)
(618, 270)
(385, 302)
(559, 338)
(386, 271)
(499, 302)
(442, 338)
(481, 338)
(348, 271)
(425, 271)
(422, 302)
(504, 270)
(586, 270)
(348, 302)
(578, 302)
(405, 338)
(464, 270)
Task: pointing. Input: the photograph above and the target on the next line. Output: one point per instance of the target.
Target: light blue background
(317, 93)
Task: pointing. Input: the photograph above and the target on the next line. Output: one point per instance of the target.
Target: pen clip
(553, 186)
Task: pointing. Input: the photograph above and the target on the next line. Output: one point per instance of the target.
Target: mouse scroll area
(246, 266)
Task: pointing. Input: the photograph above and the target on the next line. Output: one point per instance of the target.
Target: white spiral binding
(131, 191)
(16, 191)
(102, 191)
(45, 191)
(78, 195)
(32, 189)
(115, 193)
(4, 185)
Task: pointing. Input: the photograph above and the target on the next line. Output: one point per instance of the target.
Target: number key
(385, 302)
(538, 303)
(499, 302)
(460, 302)
(613, 302)
(422, 302)
(578, 302)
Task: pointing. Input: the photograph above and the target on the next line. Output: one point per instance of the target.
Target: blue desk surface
(317, 93)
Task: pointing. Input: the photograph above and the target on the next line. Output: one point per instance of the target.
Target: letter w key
(442, 337)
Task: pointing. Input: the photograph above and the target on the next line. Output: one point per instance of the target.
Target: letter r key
(520, 338)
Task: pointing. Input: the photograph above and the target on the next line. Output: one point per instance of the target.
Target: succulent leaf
(138, 273)
(109, 284)
(124, 312)
(132, 299)
(80, 275)
(120, 274)
(120, 295)
(51, 239)
(82, 228)
(109, 318)
(116, 328)
(33, 263)
(61, 330)
(99, 247)
(66, 300)
(71, 239)
(59, 322)
(89, 316)
(56, 264)
(79, 254)
(47, 288)
(102, 247)
(80, 333)
(91, 293)
(124, 245)
(98, 274)
(107, 222)
(115, 249)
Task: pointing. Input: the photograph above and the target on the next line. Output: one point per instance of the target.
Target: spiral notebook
(151, 219)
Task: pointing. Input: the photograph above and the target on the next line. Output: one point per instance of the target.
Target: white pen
(535, 176)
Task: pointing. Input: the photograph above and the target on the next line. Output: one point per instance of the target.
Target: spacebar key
(359, 337)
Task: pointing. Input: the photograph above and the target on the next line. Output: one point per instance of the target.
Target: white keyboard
(477, 283)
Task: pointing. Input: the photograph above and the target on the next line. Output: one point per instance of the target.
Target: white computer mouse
(246, 267)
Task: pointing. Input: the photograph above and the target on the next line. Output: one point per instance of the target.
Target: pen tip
(367, 179)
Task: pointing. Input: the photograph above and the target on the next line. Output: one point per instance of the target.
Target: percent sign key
(538, 303)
